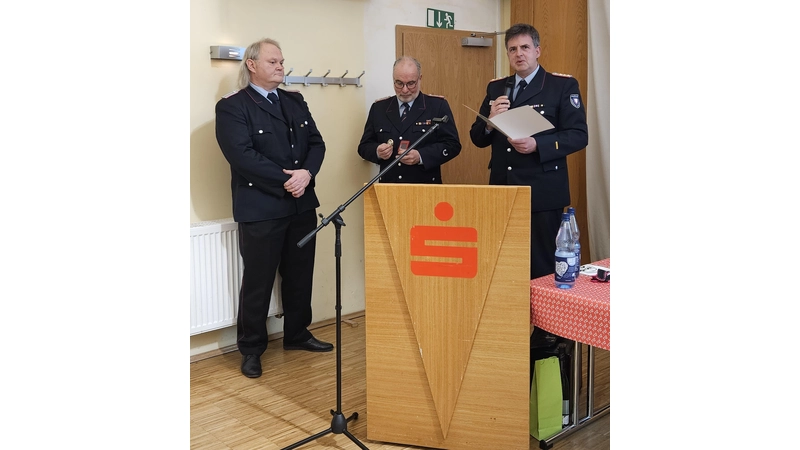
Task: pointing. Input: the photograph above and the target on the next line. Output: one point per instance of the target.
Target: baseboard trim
(275, 336)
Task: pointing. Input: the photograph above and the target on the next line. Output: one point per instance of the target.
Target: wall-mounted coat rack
(323, 80)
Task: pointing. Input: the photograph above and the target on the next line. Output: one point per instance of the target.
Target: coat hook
(323, 77)
(358, 81)
(305, 78)
(341, 82)
(286, 77)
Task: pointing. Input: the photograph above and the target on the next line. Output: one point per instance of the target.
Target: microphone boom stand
(339, 422)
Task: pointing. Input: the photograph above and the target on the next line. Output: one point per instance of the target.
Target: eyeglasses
(411, 84)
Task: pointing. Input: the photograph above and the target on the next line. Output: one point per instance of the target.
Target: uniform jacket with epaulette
(558, 99)
(384, 123)
(259, 140)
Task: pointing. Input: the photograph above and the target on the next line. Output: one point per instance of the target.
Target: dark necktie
(520, 87)
(273, 97)
(405, 111)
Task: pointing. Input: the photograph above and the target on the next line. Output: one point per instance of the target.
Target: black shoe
(251, 366)
(311, 345)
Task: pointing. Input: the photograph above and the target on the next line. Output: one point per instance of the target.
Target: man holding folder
(540, 160)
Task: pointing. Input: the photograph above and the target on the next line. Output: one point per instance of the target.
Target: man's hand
(296, 185)
(524, 145)
(499, 106)
(412, 158)
(385, 150)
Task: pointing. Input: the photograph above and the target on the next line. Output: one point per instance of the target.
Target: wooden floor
(293, 398)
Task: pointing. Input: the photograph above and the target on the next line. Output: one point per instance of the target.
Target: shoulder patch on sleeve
(565, 75)
(497, 79)
(381, 99)
(434, 95)
(230, 93)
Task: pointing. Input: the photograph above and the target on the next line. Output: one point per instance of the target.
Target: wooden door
(460, 74)
(563, 35)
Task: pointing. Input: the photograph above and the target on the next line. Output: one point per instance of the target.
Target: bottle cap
(565, 216)
(570, 209)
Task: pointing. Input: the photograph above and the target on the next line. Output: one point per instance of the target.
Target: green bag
(546, 398)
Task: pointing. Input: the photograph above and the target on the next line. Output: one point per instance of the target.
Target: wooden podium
(447, 273)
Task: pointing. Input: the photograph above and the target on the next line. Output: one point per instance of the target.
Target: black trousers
(544, 228)
(266, 247)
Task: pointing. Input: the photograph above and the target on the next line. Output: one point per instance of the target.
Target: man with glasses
(398, 121)
(275, 152)
(538, 161)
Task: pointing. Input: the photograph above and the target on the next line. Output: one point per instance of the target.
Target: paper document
(519, 122)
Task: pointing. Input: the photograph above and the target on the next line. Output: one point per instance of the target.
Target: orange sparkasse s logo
(466, 265)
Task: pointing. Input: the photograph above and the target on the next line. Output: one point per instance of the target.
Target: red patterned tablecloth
(582, 313)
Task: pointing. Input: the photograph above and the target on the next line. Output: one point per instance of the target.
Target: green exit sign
(441, 19)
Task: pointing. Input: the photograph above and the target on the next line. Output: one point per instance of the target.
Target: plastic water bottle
(566, 264)
(576, 234)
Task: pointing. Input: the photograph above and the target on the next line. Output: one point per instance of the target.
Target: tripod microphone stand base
(338, 426)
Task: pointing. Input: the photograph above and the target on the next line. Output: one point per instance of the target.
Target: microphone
(442, 119)
(509, 87)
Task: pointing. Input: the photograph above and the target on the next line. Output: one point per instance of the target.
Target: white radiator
(216, 275)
